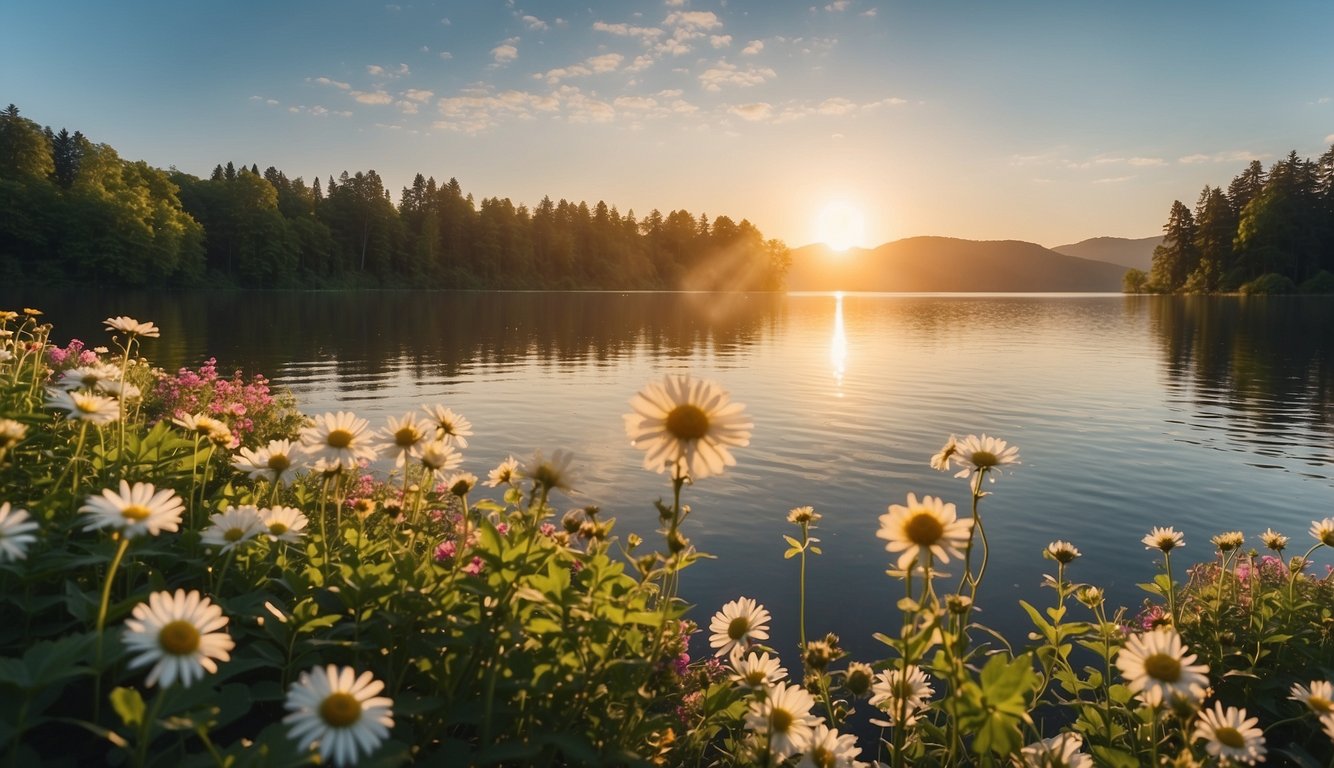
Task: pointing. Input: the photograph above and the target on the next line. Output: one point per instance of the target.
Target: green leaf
(129, 704)
(1115, 757)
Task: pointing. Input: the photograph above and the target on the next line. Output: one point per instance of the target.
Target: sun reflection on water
(838, 345)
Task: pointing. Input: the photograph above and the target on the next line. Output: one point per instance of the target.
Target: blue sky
(1041, 121)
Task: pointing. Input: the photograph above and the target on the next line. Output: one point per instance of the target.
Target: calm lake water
(1206, 414)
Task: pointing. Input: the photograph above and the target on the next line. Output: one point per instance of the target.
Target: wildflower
(232, 528)
(828, 748)
(129, 325)
(1091, 597)
(756, 670)
(284, 523)
(1327, 723)
(16, 533)
(572, 521)
(461, 483)
(688, 425)
(550, 474)
(333, 708)
(1060, 751)
(739, 623)
(450, 427)
(272, 462)
(858, 679)
(818, 654)
(1319, 698)
(507, 472)
(1226, 542)
(1062, 552)
(179, 634)
(406, 437)
(1323, 531)
(438, 456)
(1166, 539)
(137, 509)
(84, 406)
(983, 454)
(930, 528)
(1273, 540)
(201, 425)
(121, 390)
(11, 433)
(445, 550)
(87, 376)
(901, 690)
(1230, 736)
(1156, 665)
(803, 516)
(941, 461)
(340, 439)
(784, 715)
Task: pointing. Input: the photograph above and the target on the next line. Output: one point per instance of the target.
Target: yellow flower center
(90, 380)
(233, 534)
(277, 529)
(688, 422)
(982, 459)
(1319, 704)
(1230, 737)
(923, 529)
(780, 720)
(406, 437)
(739, 627)
(135, 512)
(1166, 543)
(86, 404)
(823, 758)
(755, 677)
(904, 689)
(340, 710)
(179, 638)
(339, 438)
(279, 462)
(1161, 666)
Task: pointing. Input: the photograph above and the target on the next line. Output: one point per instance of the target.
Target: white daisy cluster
(239, 525)
(975, 455)
(688, 426)
(740, 623)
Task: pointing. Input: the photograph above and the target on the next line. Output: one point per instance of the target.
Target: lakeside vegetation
(208, 578)
(72, 210)
(1269, 232)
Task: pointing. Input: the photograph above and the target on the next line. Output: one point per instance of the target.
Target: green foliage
(1322, 283)
(1269, 283)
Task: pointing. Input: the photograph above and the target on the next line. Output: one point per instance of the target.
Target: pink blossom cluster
(233, 400)
(74, 354)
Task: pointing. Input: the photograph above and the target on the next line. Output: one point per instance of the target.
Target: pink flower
(445, 551)
(473, 568)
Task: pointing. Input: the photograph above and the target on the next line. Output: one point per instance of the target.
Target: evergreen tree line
(73, 210)
(1270, 231)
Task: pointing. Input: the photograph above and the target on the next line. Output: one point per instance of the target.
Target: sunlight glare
(841, 225)
(838, 345)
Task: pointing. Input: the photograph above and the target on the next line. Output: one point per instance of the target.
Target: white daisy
(1327, 723)
(1230, 736)
(405, 437)
(84, 406)
(1274, 540)
(16, 533)
(1323, 531)
(284, 524)
(1060, 751)
(739, 623)
(756, 670)
(1319, 698)
(461, 483)
(179, 635)
(131, 326)
(901, 690)
(341, 713)
(201, 424)
(927, 527)
(450, 427)
(1226, 542)
(87, 377)
(784, 717)
(341, 439)
(1062, 552)
(233, 527)
(687, 425)
(121, 390)
(11, 433)
(507, 472)
(1156, 667)
(272, 462)
(941, 461)
(983, 454)
(553, 473)
(136, 510)
(1166, 539)
(439, 456)
(827, 748)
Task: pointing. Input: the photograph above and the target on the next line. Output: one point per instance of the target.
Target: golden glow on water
(838, 345)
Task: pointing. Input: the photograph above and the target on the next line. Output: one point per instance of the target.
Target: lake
(1203, 413)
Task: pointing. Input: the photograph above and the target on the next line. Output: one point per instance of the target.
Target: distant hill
(1137, 254)
(948, 264)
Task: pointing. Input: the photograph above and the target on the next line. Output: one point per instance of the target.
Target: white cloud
(720, 41)
(1329, 139)
(607, 62)
(674, 3)
(704, 20)
(378, 71)
(317, 111)
(581, 108)
(327, 81)
(418, 95)
(759, 110)
(838, 6)
(372, 97)
(505, 53)
(628, 30)
(446, 55)
(262, 100)
(1231, 156)
(753, 47)
(1144, 162)
(445, 22)
(869, 13)
(1113, 180)
(837, 106)
(892, 101)
(714, 78)
(635, 102)
(479, 108)
(640, 64)
(534, 23)
(407, 107)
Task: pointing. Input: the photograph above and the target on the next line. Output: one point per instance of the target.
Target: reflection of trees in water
(1264, 359)
(365, 334)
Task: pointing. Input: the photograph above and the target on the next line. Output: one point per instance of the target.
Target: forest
(1268, 232)
(74, 211)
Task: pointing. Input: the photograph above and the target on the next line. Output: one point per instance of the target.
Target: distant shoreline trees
(1270, 232)
(74, 211)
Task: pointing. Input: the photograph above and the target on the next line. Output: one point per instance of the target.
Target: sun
(840, 225)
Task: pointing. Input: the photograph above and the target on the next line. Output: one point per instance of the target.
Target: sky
(862, 121)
